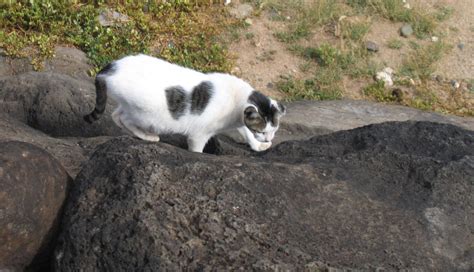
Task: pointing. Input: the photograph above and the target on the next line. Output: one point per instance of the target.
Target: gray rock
(347, 114)
(387, 196)
(372, 46)
(66, 60)
(455, 84)
(241, 11)
(32, 190)
(460, 46)
(406, 30)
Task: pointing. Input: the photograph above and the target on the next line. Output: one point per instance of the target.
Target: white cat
(156, 97)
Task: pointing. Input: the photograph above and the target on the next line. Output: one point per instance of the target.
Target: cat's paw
(262, 146)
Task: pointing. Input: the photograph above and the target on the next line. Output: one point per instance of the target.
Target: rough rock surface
(393, 195)
(53, 104)
(67, 61)
(327, 116)
(33, 186)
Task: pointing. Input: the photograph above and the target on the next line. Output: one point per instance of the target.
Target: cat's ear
(281, 109)
(253, 119)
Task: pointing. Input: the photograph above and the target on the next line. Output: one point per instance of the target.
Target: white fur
(138, 85)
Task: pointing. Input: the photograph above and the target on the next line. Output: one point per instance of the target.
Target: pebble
(398, 94)
(270, 85)
(461, 46)
(455, 84)
(111, 17)
(248, 21)
(406, 30)
(372, 46)
(439, 78)
(434, 39)
(385, 76)
(407, 6)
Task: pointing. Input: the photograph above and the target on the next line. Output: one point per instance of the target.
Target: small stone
(388, 70)
(407, 6)
(227, 2)
(270, 85)
(439, 78)
(372, 46)
(385, 77)
(434, 39)
(248, 21)
(455, 84)
(461, 46)
(235, 71)
(398, 94)
(406, 30)
(111, 17)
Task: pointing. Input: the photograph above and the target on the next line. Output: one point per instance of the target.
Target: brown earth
(262, 59)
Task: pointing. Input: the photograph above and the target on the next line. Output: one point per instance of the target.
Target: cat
(157, 97)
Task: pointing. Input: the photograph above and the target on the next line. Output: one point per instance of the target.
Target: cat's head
(262, 116)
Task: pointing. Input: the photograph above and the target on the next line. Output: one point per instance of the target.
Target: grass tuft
(420, 64)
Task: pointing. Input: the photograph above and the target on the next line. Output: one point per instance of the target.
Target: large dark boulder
(33, 187)
(393, 195)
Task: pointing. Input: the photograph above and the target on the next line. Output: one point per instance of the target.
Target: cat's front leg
(196, 143)
(254, 143)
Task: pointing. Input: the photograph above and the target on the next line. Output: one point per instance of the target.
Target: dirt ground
(262, 59)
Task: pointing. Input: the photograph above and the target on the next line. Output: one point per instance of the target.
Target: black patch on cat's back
(176, 99)
(200, 97)
(264, 106)
(108, 69)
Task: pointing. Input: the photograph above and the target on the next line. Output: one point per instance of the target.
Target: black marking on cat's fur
(200, 97)
(176, 99)
(109, 69)
(101, 93)
(265, 108)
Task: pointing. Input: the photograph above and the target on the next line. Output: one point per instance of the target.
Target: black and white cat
(157, 97)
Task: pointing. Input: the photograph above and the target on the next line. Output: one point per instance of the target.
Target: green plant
(304, 15)
(420, 62)
(307, 89)
(325, 54)
(186, 33)
(355, 31)
(395, 44)
(377, 91)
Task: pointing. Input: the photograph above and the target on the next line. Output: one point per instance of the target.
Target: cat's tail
(101, 94)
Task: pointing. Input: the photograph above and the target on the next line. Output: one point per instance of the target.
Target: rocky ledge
(394, 195)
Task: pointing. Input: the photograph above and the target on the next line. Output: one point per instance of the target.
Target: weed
(395, 44)
(420, 62)
(324, 54)
(304, 15)
(307, 89)
(377, 91)
(354, 31)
